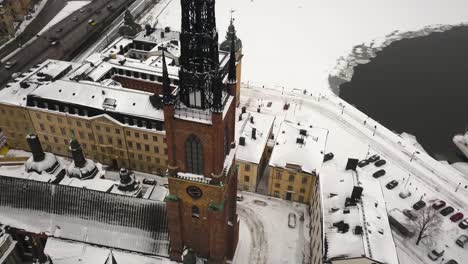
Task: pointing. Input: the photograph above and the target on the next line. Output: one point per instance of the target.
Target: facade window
(246, 178)
(128, 133)
(164, 140)
(304, 179)
(90, 136)
(147, 148)
(87, 125)
(140, 157)
(94, 147)
(62, 130)
(276, 194)
(301, 198)
(38, 116)
(277, 185)
(98, 127)
(130, 144)
(193, 155)
(302, 190)
(157, 160)
(78, 123)
(148, 159)
(291, 177)
(49, 118)
(137, 135)
(46, 138)
(65, 142)
(278, 175)
(132, 155)
(117, 131)
(290, 188)
(138, 145)
(165, 151)
(55, 140)
(247, 167)
(145, 136)
(156, 149)
(52, 129)
(100, 140)
(108, 129)
(195, 212)
(109, 140)
(119, 142)
(155, 138)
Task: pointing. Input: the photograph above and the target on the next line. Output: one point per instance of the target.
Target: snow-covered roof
(253, 149)
(304, 150)
(21, 172)
(370, 214)
(14, 94)
(69, 252)
(132, 102)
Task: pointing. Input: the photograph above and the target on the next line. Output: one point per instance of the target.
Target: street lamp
(414, 153)
(375, 129)
(342, 109)
(408, 180)
(458, 186)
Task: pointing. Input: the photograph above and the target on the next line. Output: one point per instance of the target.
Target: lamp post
(412, 155)
(458, 186)
(342, 108)
(375, 129)
(408, 180)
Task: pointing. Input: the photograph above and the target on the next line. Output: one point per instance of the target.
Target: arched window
(194, 155)
(195, 212)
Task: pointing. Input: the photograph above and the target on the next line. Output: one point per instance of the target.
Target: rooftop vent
(350, 202)
(24, 84)
(303, 132)
(342, 226)
(109, 103)
(167, 29)
(300, 141)
(346, 211)
(242, 141)
(358, 230)
(254, 133)
(122, 62)
(162, 34)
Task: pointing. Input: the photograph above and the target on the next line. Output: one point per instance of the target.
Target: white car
(10, 64)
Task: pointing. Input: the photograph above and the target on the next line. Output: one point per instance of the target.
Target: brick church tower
(199, 119)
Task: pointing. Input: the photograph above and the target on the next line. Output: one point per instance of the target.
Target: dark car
(451, 262)
(374, 158)
(363, 163)
(380, 163)
(378, 174)
(328, 156)
(463, 224)
(456, 217)
(439, 204)
(447, 210)
(419, 204)
(392, 184)
(149, 181)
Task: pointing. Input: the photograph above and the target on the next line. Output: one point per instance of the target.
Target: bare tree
(427, 224)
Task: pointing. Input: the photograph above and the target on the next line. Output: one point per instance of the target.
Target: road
(72, 36)
(48, 12)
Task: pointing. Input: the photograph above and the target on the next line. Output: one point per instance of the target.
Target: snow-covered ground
(264, 235)
(67, 10)
(297, 43)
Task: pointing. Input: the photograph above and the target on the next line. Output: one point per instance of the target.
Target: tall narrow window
(194, 155)
(195, 212)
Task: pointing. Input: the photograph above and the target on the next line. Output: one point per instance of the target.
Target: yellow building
(295, 161)
(253, 130)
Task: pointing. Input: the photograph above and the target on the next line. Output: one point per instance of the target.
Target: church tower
(199, 117)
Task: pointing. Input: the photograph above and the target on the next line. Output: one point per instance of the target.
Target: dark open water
(419, 86)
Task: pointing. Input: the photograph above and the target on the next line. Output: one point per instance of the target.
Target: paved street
(72, 36)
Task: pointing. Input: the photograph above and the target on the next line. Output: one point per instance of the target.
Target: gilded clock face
(194, 192)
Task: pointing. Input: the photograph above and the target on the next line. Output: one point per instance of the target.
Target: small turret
(36, 147)
(80, 168)
(128, 181)
(40, 161)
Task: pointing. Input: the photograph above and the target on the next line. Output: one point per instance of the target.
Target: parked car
(463, 224)
(149, 181)
(461, 240)
(328, 156)
(378, 174)
(436, 254)
(380, 163)
(410, 214)
(9, 64)
(240, 197)
(363, 163)
(451, 262)
(292, 220)
(439, 204)
(392, 184)
(374, 158)
(419, 205)
(447, 210)
(405, 194)
(59, 30)
(456, 217)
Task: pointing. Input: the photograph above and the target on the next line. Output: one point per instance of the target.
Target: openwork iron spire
(199, 85)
